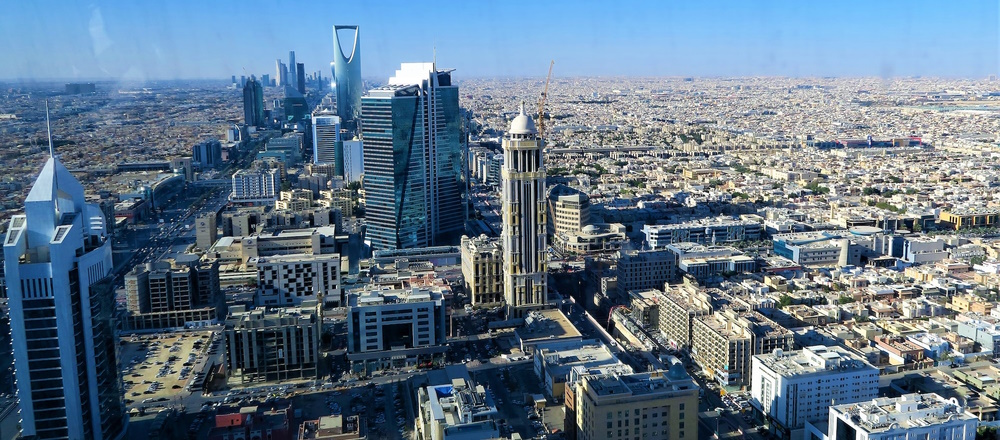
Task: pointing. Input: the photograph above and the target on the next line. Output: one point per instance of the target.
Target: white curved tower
(523, 203)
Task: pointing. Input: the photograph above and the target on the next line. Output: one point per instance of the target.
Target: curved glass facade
(347, 77)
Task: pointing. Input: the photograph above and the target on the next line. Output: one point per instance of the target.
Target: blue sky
(130, 40)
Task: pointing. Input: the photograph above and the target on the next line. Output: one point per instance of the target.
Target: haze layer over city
(564, 220)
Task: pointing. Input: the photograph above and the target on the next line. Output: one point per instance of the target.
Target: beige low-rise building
(482, 270)
(659, 404)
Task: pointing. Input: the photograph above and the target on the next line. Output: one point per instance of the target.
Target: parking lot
(510, 385)
(382, 407)
(156, 368)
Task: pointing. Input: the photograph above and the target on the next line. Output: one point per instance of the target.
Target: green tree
(784, 301)
(844, 299)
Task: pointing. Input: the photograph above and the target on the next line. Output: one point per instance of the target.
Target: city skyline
(513, 39)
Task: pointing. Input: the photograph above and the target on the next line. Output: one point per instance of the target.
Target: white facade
(909, 417)
(524, 209)
(792, 388)
(326, 134)
(57, 259)
(260, 186)
(290, 279)
(458, 410)
(395, 327)
(710, 231)
(354, 161)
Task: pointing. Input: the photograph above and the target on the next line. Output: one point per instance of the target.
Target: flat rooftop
(561, 359)
(546, 324)
(902, 413)
(640, 384)
(812, 360)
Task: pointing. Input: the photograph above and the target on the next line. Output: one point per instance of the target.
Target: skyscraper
(279, 73)
(300, 76)
(253, 103)
(327, 145)
(412, 153)
(347, 77)
(395, 192)
(291, 69)
(523, 205)
(57, 259)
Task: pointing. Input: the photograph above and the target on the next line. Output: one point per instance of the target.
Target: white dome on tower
(522, 124)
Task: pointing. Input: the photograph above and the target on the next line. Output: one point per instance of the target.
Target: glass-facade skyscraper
(347, 78)
(328, 148)
(411, 136)
(253, 103)
(57, 259)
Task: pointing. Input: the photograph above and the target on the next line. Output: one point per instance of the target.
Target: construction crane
(541, 103)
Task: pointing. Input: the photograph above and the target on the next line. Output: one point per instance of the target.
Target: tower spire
(48, 128)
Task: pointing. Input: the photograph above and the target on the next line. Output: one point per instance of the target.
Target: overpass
(212, 183)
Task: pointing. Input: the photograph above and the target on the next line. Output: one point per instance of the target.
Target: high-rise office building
(279, 73)
(300, 83)
(347, 78)
(291, 69)
(296, 107)
(57, 260)
(524, 211)
(328, 148)
(253, 103)
(206, 230)
(412, 151)
(207, 154)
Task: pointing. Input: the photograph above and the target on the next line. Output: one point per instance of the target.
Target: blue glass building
(411, 133)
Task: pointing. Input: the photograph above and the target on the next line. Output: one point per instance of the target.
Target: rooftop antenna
(48, 128)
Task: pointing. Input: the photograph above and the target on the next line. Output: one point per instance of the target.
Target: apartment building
(794, 387)
(482, 270)
(259, 186)
(554, 362)
(658, 404)
(643, 270)
(264, 345)
(908, 417)
(678, 309)
(724, 342)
